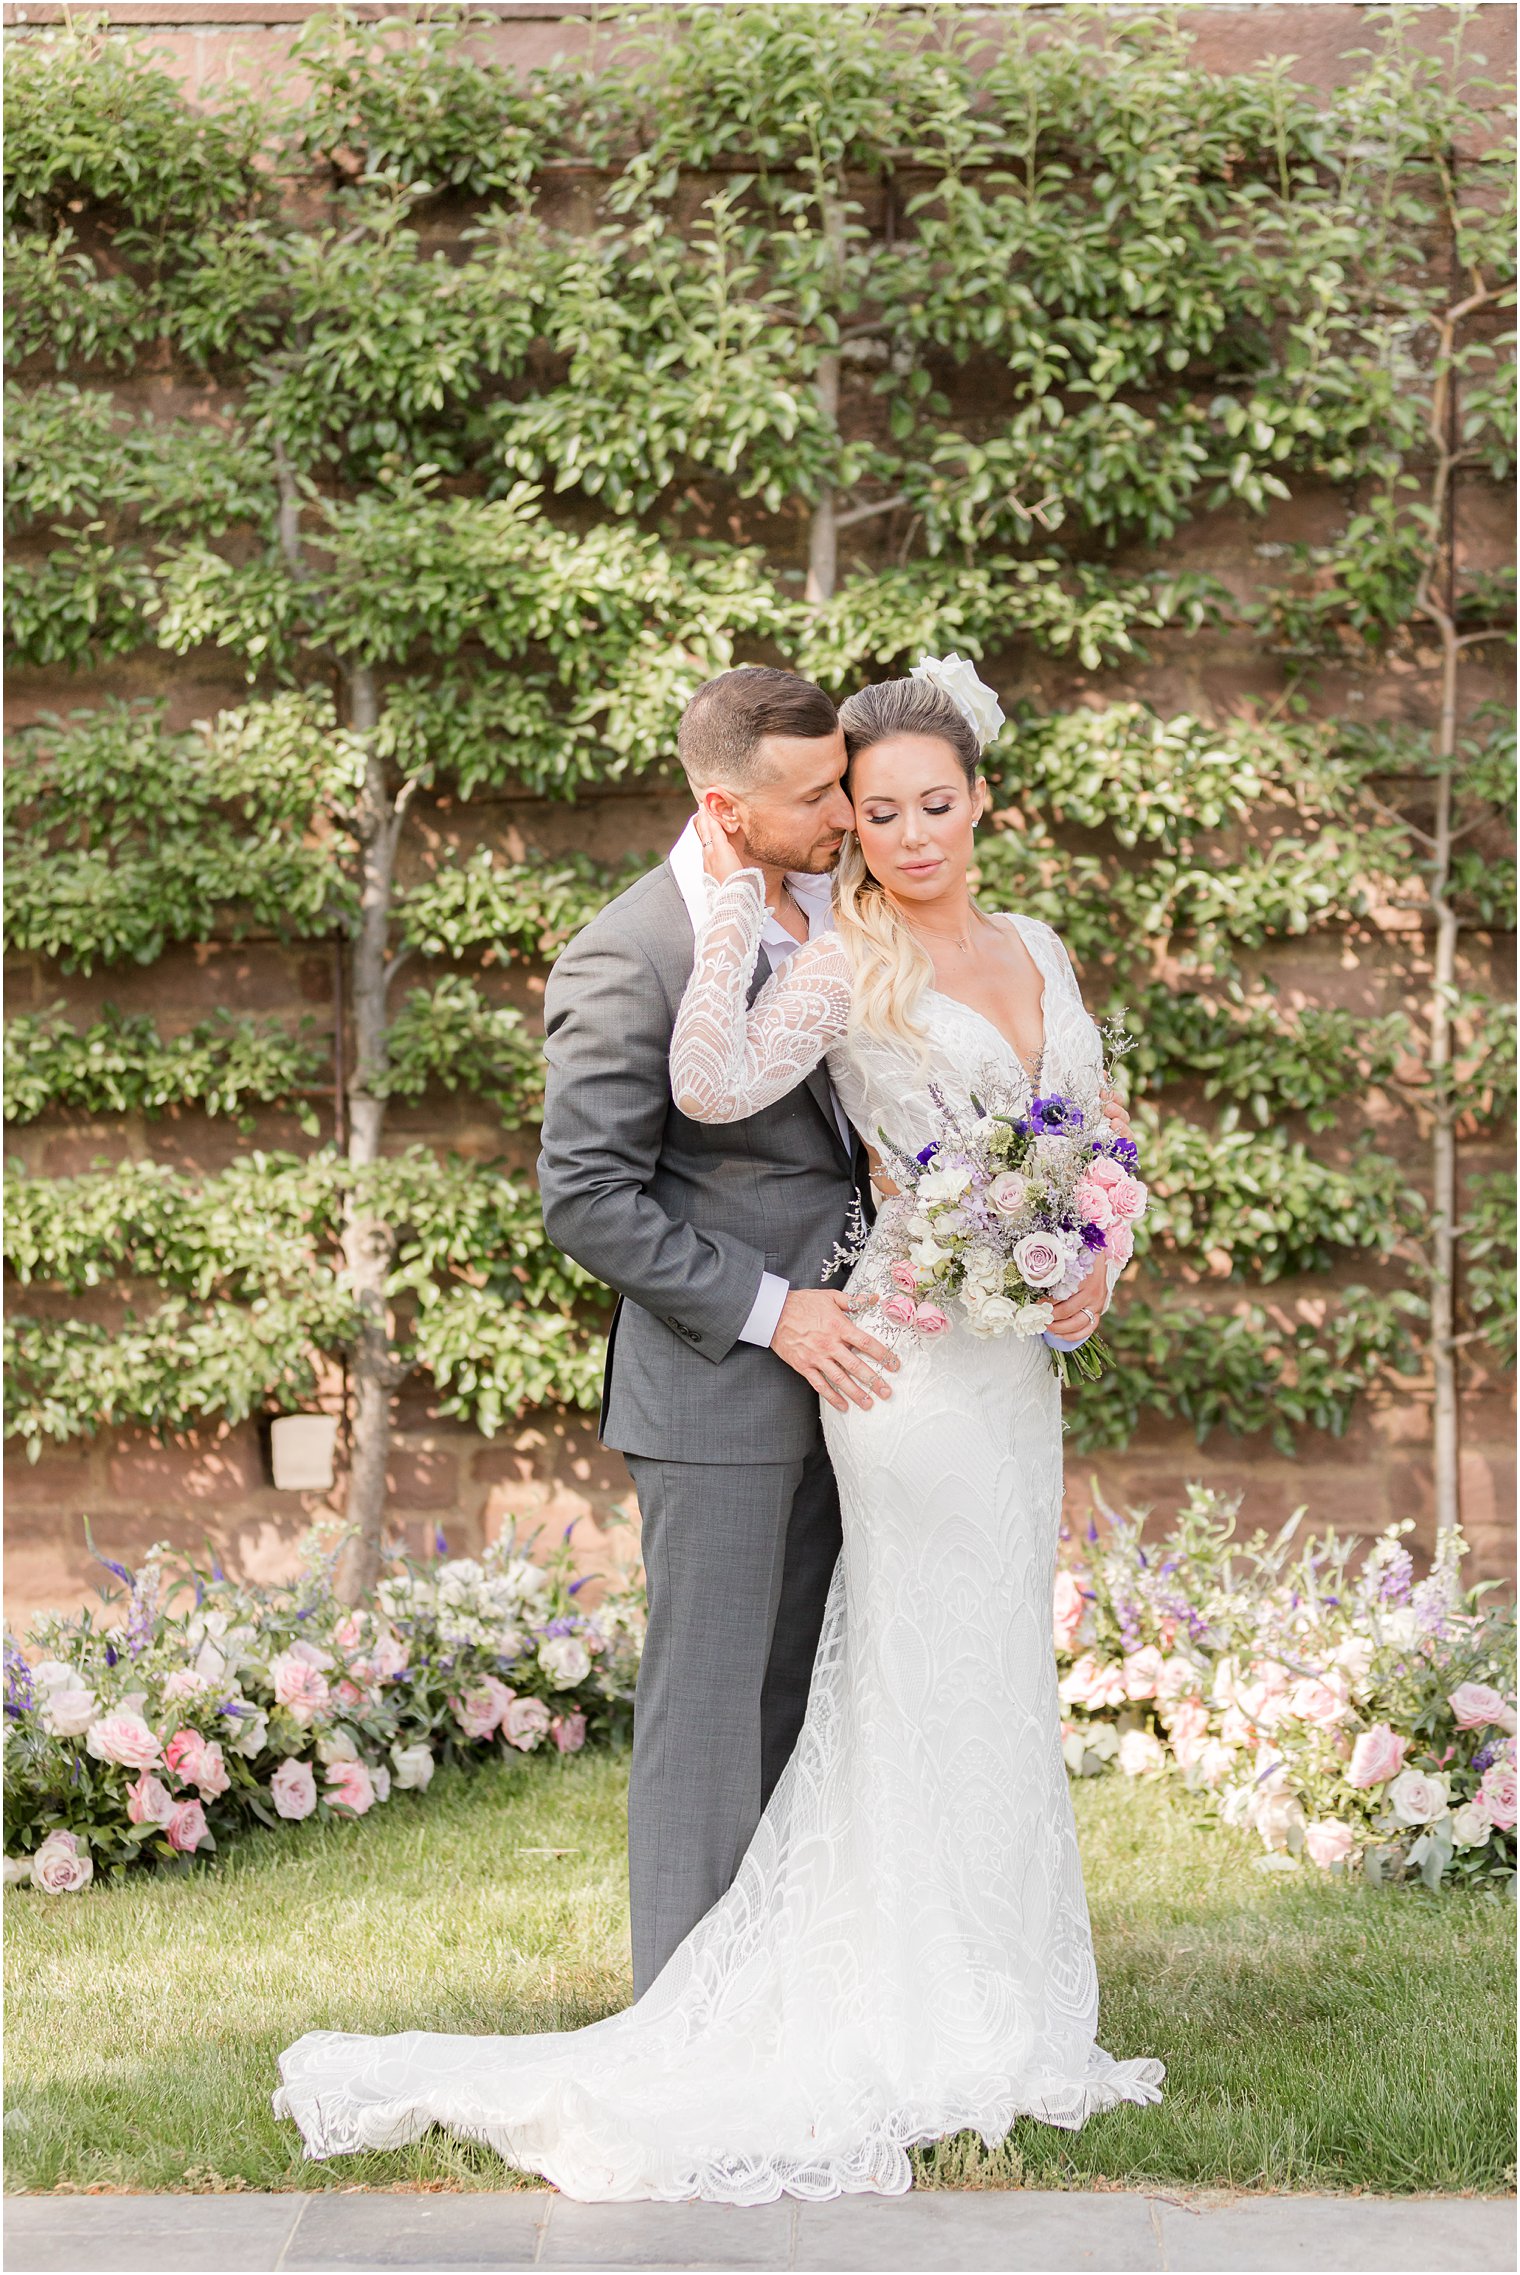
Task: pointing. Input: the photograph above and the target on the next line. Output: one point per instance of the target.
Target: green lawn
(1317, 2036)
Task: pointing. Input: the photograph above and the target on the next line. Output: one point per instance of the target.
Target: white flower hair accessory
(955, 676)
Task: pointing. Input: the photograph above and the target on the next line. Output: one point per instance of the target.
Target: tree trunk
(823, 533)
(368, 1240)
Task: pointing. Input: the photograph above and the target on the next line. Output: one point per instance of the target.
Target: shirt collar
(813, 894)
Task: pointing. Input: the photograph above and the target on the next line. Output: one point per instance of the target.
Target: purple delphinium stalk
(20, 1690)
(440, 1544)
(1484, 1758)
(1094, 1237)
(1394, 1580)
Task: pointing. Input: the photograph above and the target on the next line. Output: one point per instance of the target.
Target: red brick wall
(549, 1470)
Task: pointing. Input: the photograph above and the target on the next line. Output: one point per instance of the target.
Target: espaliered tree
(865, 332)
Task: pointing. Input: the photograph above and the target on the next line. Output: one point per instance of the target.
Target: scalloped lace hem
(334, 2122)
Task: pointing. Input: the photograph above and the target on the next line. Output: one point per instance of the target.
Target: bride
(905, 1951)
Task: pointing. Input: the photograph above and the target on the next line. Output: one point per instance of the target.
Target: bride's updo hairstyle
(892, 967)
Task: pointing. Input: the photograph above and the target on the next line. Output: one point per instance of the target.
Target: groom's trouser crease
(738, 1559)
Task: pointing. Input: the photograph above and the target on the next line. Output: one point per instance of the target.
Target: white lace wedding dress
(905, 1951)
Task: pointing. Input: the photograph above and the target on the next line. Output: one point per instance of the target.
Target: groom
(723, 1338)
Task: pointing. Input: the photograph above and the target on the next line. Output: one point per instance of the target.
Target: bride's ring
(1087, 1314)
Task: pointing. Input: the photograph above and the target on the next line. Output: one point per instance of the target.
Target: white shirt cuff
(765, 1311)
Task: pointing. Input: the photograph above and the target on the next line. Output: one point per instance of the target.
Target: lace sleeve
(729, 1059)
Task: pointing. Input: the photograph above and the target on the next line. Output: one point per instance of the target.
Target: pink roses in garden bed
(209, 1706)
(1346, 1713)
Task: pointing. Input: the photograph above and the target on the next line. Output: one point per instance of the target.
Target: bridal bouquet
(1003, 1214)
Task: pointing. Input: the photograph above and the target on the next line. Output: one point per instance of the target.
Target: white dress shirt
(814, 895)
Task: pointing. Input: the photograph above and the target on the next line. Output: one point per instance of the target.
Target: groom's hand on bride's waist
(817, 1337)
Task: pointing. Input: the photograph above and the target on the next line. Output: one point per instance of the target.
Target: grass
(1317, 2035)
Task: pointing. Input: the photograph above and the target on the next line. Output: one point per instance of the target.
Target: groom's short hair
(728, 718)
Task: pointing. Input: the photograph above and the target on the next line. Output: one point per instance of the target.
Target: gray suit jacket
(680, 1217)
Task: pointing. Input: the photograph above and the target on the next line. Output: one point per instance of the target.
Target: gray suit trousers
(738, 1558)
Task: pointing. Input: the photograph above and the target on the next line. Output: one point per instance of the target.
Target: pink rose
(1178, 1675)
(904, 1277)
(1323, 1702)
(1376, 1756)
(62, 1865)
(149, 1801)
(1476, 1707)
(1105, 1171)
(349, 1632)
(1216, 1762)
(1234, 1729)
(1120, 1243)
(187, 1827)
(293, 1788)
(209, 1776)
(1070, 1603)
(480, 1710)
(1187, 1724)
(183, 1683)
(348, 1693)
(124, 1739)
(1093, 1683)
(350, 1786)
(525, 1722)
(311, 1654)
(1143, 1670)
(1008, 1193)
(389, 1657)
(298, 1686)
(930, 1320)
(183, 1752)
(1092, 1202)
(1497, 1794)
(899, 1309)
(568, 1732)
(1127, 1199)
(1328, 1842)
(1040, 1259)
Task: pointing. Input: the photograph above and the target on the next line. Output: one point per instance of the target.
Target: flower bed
(210, 1706)
(1359, 1721)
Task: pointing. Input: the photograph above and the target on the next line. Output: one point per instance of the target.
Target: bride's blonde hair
(892, 968)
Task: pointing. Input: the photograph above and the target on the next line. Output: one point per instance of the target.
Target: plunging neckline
(1011, 1048)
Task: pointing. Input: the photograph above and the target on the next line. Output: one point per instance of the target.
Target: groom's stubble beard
(819, 859)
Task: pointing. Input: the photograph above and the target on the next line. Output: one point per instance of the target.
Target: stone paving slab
(1019, 2232)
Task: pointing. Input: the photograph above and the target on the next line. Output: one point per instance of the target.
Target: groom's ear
(725, 813)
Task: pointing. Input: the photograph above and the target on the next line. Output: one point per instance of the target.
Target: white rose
(339, 1746)
(1033, 1318)
(252, 1735)
(928, 1254)
(1470, 1827)
(53, 1674)
(380, 1779)
(17, 1870)
(956, 676)
(994, 1315)
(917, 1227)
(1417, 1798)
(1354, 1658)
(1140, 1753)
(414, 1767)
(67, 1712)
(565, 1660)
(1279, 1817)
(62, 1866)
